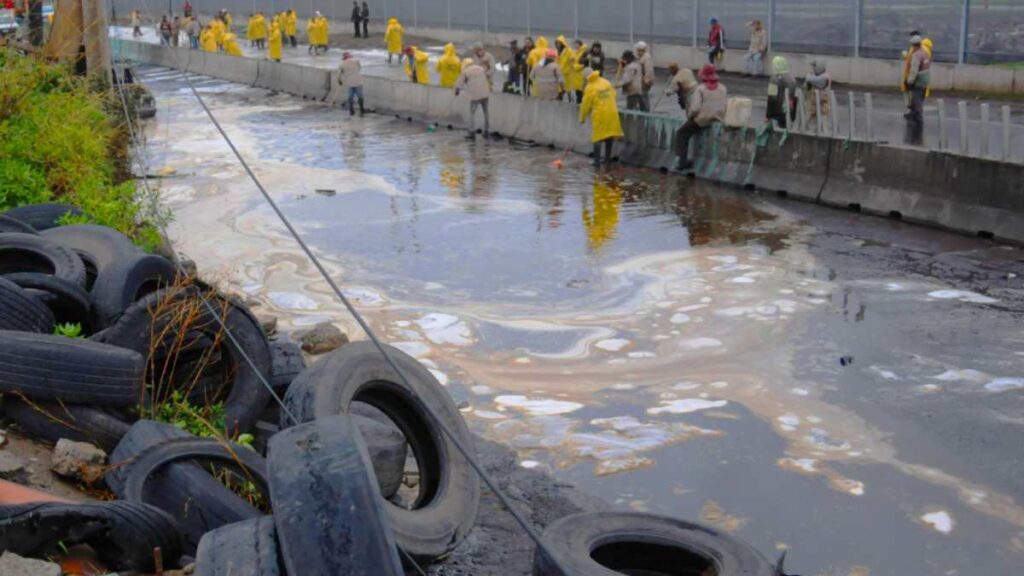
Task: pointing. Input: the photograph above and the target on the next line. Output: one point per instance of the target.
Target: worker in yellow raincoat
(274, 45)
(228, 20)
(231, 44)
(208, 39)
(449, 66)
(316, 28)
(540, 49)
(602, 221)
(418, 71)
(567, 62)
(599, 105)
(291, 26)
(393, 37)
(574, 83)
(926, 45)
(218, 31)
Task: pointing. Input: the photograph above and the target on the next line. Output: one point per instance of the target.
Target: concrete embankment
(969, 195)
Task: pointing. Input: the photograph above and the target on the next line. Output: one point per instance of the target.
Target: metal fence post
(771, 23)
(983, 151)
(788, 110)
(943, 134)
(696, 16)
(487, 23)
(964, 21)
(964, 144)
(631, 11)
(1006, 134)
(576, 19)
(858, 23)
(853, 117)
(415, 13)
(869, 108)
(449, 14)
(833, 112)
(529, 18)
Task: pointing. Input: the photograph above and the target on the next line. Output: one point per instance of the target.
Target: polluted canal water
(842, 387)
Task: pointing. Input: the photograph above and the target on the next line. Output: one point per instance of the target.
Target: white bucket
(737, 113)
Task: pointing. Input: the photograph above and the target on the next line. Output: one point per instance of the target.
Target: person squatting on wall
(350, 77)
(474, 82)
(707, 105)
(683, 84)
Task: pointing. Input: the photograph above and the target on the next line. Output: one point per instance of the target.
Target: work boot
(351, 111)
(683, 165)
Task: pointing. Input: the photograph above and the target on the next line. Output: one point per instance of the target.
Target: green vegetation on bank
(63, 138)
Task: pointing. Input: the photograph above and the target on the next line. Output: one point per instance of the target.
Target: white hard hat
(641, 45)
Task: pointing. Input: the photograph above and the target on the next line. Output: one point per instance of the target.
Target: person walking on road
(364, 15)
(599, 105)
(357, 17)
(916, 78)
(547, 77)
(754, 60)
(780, 84)
(474, 82)
(393, 38)
(683, 84)
(643, 58)
(449, 66)
(716, 42)
(291, 26)
(706, 106)
(631, 82)
(350, 77)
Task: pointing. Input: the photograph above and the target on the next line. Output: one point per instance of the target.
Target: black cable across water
(466, 453)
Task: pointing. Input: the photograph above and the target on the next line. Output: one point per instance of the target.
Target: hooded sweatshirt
(449, 66)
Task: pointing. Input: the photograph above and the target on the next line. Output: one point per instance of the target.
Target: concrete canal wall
(964, 194)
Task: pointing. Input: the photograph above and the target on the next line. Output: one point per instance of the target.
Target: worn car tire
(323, 491)
(184, 490)
(122, 534)
(8, 224)
(127, 281)
(99, 247)
(286, 364)
(51, 421)
(246, 394)
(32, 253)
(43, 216)
(68, 302)
(48, 367)
(449, 494)
(615, 543)
(387, 447)
(245, 548)
(243, 461)
(21, 312)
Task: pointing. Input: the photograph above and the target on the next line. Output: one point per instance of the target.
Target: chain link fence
(973, 31)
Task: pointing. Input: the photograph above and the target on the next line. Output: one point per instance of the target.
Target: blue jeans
(353, 93)
(193, 42)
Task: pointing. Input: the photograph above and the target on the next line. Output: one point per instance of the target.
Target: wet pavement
(888, 124)
(845, 387)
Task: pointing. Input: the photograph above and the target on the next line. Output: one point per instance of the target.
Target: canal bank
(842, 386)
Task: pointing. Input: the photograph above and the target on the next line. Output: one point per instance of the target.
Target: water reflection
(601, 215)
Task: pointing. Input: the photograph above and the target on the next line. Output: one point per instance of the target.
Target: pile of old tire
(146, 333)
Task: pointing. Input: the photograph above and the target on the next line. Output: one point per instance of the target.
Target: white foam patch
(642, 355)
(957, 375)
(686, 386)
(725, 259)
(886, 374)
(363, 296)
(789, 419)
(612, 344)
(798, 392)
(962, 295)
(529, 464)
(686, 405)
(481, 390)
(441, 376)
(1004, 384)
(414, 349)
(623, 386)
(700, 343)
(292, 301)
(537, 406)
(679, 318)
(940, 521)
(741, 280)
(488, 415)
(445, 329)
(691, 307)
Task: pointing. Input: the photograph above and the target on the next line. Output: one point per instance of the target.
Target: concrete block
(982, 78)
(268, 74)
(314, 82)
(1018, 81)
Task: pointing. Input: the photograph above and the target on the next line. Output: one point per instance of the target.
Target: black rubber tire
(8, 224)
(68, 302)
(51, 421)
(615, 543)
(43, 216)
(449, 487)
(387, 447)
(99, 247)
(21, 312)
(184, 490)
(244, 461)
(286, 364)
(47, 367)
(246, 548)
(32, 253)
(127, 281)
(329, 515)
(122, 534)
(247, 396)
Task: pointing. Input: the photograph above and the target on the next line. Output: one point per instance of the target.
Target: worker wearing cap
(350, 77)
(916, 78)
(473, 81)
(643, 58)
(416, 65)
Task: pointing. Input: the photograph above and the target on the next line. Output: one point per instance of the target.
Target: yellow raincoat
(449, 66)
(422, 73)
(565, 60)
(316, 28)
(601, 223)
(575, 81)
(257, 29)
(599, 104)
(926, 45)
(291, 23)
(208, 39)
(231, 45)
(538, 52)
(228, 20)
(393, 36)
(218, 31)
(274, 43)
